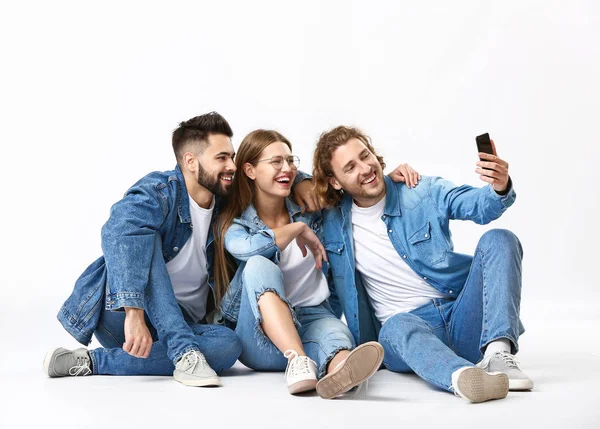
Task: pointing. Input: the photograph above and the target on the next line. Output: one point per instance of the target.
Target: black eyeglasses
(277, 161)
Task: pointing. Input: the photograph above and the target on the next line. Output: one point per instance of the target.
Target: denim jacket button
(450, 292)
(426, 235)
(389, 230)
(404, 256)
(175, 249)
(425, 278)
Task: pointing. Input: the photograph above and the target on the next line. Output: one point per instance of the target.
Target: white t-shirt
(188, 270)
(392, 286)
(304, 284)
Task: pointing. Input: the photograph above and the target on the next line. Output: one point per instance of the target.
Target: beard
(213, 184)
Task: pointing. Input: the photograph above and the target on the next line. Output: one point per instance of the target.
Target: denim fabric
(321, 332)
(418, 223)
(156, 206)
(444, 335)
(248, 236)
(220, 346)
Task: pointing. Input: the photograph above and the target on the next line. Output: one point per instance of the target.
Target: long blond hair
(240, 197)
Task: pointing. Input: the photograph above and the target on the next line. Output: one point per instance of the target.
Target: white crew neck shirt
(392, 286)
(304, 284)
(188, 270)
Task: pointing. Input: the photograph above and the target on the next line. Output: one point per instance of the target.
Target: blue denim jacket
(418, 224)
(248, 236)
(157, 204)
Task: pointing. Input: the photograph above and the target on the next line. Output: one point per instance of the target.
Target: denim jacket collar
(392, 206)
(183, 205)
(250, 214)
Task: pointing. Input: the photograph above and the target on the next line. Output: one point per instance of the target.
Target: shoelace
(297, 364)
(82, 367)
(195, 358)
(509, 360)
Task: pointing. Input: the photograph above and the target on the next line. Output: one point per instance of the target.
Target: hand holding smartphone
(484, 144)
(491, 168)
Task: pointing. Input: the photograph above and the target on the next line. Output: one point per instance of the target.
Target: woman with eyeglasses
(277, 299)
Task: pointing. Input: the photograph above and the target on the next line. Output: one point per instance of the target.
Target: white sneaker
(301, 373)
(193, 370)
(508, 364)
(476, 385)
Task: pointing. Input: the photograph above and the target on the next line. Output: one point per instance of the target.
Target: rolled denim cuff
(269, 233)
(508, 198)
(116, 301)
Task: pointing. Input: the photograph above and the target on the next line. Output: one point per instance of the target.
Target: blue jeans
(220, 346)
(322, 334)
(173, 334)
(444, 335)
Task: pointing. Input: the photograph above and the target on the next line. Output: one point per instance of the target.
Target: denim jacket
(158, 204)
(417, 221)
(248, 236)
(156, 207)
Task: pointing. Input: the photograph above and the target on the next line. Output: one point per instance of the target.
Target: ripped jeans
(322, 334)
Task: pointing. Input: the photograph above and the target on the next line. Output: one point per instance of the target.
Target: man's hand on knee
(138, 340)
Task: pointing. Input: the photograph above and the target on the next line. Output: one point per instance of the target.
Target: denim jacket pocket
(430, 248)
(334, 251)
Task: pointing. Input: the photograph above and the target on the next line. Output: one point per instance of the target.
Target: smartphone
(484, 144)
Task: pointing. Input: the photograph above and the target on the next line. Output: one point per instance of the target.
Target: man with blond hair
(398, 280)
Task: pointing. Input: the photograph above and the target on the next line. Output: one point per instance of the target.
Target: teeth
(370, 180)
(283, 180)
(228, 178)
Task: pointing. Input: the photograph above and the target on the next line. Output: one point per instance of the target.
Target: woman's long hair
(240, 197)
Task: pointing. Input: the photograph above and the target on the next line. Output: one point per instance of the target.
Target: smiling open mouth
(369, 179)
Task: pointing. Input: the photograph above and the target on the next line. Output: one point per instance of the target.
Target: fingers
(298, 200)
(302, 246)
(406, 174)
(138, 346)
(312, 203)
(486, 157)
(135, 349)
(397, 176)
(493, 147)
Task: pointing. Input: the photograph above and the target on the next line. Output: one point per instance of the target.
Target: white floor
(561, 357)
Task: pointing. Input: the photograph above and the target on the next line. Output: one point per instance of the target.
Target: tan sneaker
(476, 385)
(359, 366)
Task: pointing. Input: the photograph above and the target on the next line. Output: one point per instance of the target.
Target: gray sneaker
(508, 364)
(193, 370)
(67, 363)
(476, 385)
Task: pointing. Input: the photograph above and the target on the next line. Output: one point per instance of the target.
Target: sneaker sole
(360, 365)
(48, 361)
(519, 384)
(202, 382)
(302, 386)
(476, 385)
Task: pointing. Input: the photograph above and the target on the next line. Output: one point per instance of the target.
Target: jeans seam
(94, 362)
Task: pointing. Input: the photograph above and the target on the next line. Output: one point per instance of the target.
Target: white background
(90, 93)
